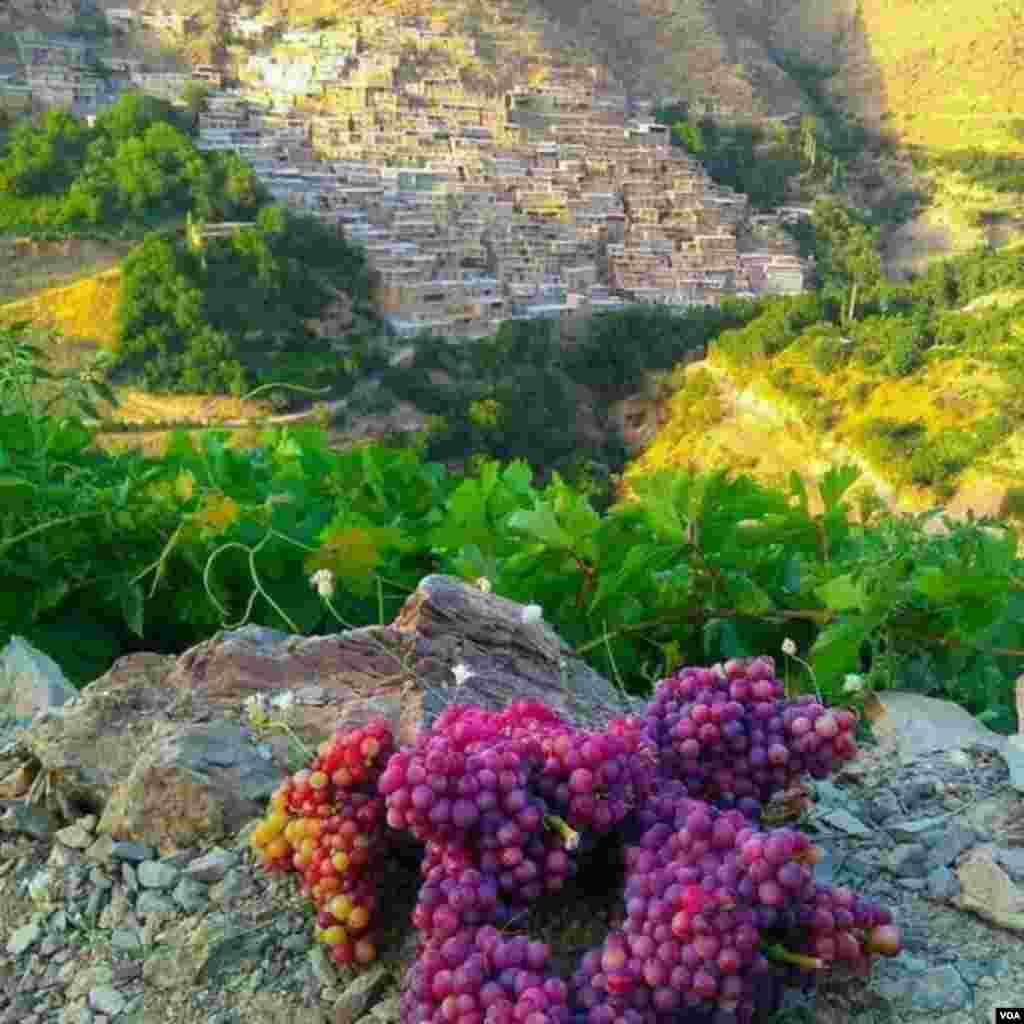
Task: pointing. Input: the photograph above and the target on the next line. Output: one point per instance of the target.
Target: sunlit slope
(715, 420)
(83, 311)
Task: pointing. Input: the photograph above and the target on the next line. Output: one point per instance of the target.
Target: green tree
(43, 157)
(845, 247)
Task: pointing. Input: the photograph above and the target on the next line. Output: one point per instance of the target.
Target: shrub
(1013, 503)
(828, 353)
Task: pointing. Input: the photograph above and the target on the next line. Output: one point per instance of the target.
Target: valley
(504, 164)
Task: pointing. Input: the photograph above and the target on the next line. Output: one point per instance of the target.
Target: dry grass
(952, 76)
(141, 407)
(84, 311)
(762, 433)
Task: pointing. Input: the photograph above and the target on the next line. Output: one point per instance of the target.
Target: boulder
(191, 782)
(404, 670)
(30, 681)
(161, 749)
(912, 724)
(988, 891)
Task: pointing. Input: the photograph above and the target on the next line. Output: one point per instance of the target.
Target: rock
(18, 782)
(227, 949)
(23, 938)
(126, 940)
(173, 968)
(151, 901)
(357, 996)
(912, 985)
(1013, 755)
(916, 828)
(918, 791)
(994, 816)
(1012, 859)
(444, 622)
(30, 681)
(845, 822)
(101, 850)
(942, 885)
(883, 807)
(913, 725)
(190, 896)
(270, 1008)
(118, 911)
(907, 860)
(30, 820)
(134, 853)
(949, 844)
(387, 1010)
(989, 891)
(76, 1015)
(322, 966)
(194, 782)
(212, 866)
(153, 874)
(106, 1000)
(74, 836)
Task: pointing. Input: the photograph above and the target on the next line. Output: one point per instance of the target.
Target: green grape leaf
(663, 494)
(843, 593)
(835, 482)
(641, 560)
(542, 524)
(748, 597)
(836, 649)
(15, 492)
(575, 513)
(133, 607)
(945, 587)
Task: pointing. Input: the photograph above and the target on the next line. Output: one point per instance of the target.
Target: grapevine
(719, 909)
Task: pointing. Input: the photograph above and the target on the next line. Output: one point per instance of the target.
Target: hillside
(83, 311)
(922, 392)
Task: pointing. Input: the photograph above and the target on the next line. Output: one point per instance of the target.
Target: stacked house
(550, 194)
(558, 196)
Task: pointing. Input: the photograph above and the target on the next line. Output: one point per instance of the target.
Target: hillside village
(545, 191)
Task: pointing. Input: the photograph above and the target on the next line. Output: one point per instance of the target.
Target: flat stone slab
(914, 725)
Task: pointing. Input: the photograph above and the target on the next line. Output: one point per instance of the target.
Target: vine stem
(43, 527)
(569, 835)
(823, 617)
(784, 956)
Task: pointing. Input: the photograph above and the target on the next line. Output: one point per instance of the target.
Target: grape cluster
(480, 975)
(710, 899)
(728, 734)
(513, 788)
(718, 909)
(326, 823)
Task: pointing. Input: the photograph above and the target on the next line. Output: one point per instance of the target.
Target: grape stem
(784, 956)
(561, 826)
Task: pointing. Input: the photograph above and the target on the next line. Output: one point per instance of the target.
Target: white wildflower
(531, 613)
(257, 702)
(853, 683)
(283, 701)
(484, 584)
(256, 709)
(788, 647)
(462, 673)
(323, 581)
